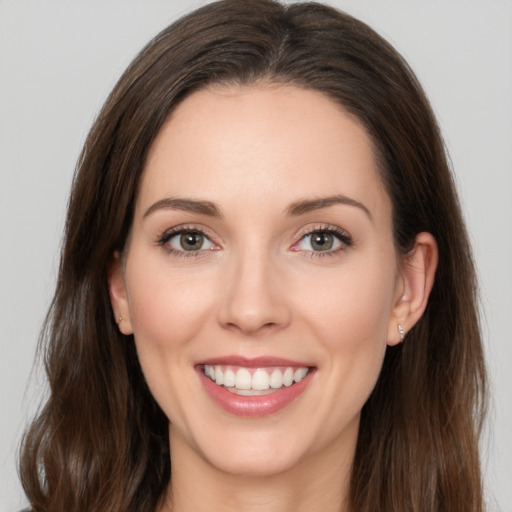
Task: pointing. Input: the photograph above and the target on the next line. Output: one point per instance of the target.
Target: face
(260, 279)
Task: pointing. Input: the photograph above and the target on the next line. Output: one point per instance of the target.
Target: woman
(266, 298)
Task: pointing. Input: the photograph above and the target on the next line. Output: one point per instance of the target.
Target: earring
(120, 320)
(401, 332)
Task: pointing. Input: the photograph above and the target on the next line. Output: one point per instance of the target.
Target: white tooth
(299, 374)
(260, 380)
(219, 376)
(276, 379)
(249, 392)
(229, 378)
(288, 377)
(243, 379)
(209, 371)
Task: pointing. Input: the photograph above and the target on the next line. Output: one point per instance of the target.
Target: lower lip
(253, 406)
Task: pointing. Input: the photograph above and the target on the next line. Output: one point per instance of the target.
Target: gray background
(58, 61)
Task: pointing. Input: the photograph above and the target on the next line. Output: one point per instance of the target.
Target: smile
(254, 387)
(254, 381)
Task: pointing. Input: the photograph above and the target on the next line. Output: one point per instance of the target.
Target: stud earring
(120, 320)
(401, 332)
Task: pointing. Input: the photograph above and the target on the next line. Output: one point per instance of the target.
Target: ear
(417, 272)
(118, 295)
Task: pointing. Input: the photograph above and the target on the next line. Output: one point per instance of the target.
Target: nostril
(251, 301)
(251, 326)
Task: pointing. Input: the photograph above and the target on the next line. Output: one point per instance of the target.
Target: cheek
(348, 313)
(167, 307)
(352, 304)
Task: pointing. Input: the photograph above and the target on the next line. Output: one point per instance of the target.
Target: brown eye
(322, 241)
(191, 241)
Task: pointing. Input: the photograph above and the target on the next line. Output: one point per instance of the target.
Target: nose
(253, 296)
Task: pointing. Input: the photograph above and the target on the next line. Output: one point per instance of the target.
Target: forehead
(251, 144)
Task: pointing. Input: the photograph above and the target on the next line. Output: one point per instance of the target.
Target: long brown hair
(101, 442)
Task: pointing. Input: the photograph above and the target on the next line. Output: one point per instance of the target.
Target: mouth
(255, 387)
(254, 381)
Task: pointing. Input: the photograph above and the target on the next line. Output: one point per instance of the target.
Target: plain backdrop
(58, 61)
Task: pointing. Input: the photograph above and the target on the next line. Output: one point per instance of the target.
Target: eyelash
(342, 236)
(164, 239)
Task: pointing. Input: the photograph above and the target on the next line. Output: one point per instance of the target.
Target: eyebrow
(186, 205)
(309, 205)
(295, 209)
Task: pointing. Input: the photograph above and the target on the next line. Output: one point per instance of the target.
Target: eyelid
(168, 234)
(342, 235)
(180, 228)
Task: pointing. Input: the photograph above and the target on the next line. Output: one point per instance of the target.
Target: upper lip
(253, 362)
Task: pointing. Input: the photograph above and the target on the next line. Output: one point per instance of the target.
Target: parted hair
(100, 441)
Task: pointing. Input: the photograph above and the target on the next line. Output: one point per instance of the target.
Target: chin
(250, 452)
(262, 464)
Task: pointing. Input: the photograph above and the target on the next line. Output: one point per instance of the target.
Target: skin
(257, 287)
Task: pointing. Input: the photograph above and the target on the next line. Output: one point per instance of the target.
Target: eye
(320, 241)
(188, 240)
(327, 240)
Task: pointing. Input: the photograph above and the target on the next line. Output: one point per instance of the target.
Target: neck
(318, 482)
